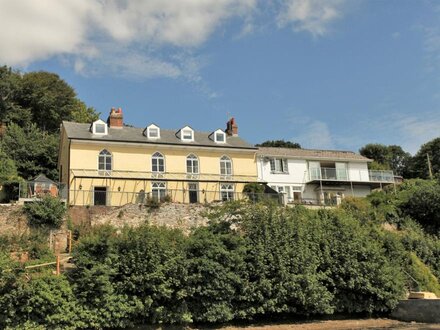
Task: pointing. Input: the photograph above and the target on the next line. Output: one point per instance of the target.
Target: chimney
(231, 127)
(115, 118)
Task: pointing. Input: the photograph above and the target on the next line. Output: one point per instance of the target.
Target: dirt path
(341, 325)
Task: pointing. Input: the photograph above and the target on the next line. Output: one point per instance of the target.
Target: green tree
(83, 114)
(50, 99)
(390, 157)
(419, 163)
(33, 151)
(8, 170)
(47, 212)
(279, 144)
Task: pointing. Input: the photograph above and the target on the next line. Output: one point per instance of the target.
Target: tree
(419, 163)
(279, 144)
(48, 211)
(50, 99)
(33, 151)
(83, 114)
(391, 157)
(8, 170)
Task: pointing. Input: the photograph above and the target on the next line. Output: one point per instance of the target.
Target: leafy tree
(33, 151)
(50, 99)
(279, 144)
(419, 163)
(391, 157)
(46, 212)
(8, 170)
(83, 114)
(424, 207)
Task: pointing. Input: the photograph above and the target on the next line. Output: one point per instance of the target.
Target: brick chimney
(231, 127)
(115, 119)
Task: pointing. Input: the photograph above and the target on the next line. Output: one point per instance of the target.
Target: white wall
(358, 172)
(296, 176)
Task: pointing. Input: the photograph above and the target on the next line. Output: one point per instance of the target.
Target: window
(99, 127)
(227, 192)
(278, 165)
(153, 132)
(157, 162)
(187, 135)
(220, 137)
(105, 161)
(192, 164)
(225, 166)
(158, 190)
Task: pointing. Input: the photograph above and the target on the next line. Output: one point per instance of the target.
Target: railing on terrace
(119, 198)
(333, 174)
(144, 175)
(381, 176)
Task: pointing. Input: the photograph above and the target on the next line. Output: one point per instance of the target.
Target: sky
(328, 74)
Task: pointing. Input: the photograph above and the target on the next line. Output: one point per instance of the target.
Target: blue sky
(333, 74)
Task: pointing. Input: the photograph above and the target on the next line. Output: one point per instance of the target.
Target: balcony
(147, 175)
(333, 174)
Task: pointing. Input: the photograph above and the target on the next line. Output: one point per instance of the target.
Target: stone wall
(173, 215)
(418, 310)
(12, 220)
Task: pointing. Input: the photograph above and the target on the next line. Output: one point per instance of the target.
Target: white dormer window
(99, 127)
(153, 132)
(187, 134)
(219, 136)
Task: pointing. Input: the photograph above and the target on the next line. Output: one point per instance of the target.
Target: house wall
(137, 159)
(63, 163)
(298, 177)
(358, 172)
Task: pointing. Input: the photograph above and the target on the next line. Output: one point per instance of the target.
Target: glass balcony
(381, 176)
(326, 173)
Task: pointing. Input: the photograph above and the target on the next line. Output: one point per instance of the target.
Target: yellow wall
(137, 159)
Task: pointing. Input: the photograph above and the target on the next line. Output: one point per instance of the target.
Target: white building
(318, 176)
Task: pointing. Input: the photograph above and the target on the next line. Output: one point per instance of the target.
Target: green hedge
(266, 261)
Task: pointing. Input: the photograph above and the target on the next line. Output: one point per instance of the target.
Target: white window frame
(194, 164)
(224, 162)
(151, 128)
(184, 132)
(156, 159)
(95, 125)
(279, 166)
(158, 190)
(227, 192)
(105, 157)
(217, 133)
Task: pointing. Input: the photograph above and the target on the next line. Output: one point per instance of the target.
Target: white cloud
(415, 131)
(134, 37)
(313, 16)
(311, 133)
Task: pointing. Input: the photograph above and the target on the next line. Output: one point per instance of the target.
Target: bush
(46, 212)
(254, 191)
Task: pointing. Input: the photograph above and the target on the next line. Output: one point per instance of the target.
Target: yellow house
(107, 163)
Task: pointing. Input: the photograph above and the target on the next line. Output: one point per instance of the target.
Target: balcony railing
(325, 173)
(334, 174)
(381, 176)
(145, 175)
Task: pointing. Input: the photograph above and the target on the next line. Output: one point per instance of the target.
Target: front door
(193, 192)
(100, 195)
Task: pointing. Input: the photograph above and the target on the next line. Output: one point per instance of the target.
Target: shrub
(46, 212)
(254, 191)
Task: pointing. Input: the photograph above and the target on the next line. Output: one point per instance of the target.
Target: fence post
(58, 265)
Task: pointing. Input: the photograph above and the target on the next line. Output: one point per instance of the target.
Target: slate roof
(312, 154)
(132, 134)
(41, 178)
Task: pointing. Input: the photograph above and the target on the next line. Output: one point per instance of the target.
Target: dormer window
(99, 127)
(219, 136)
(153, 132)
(187, 134)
